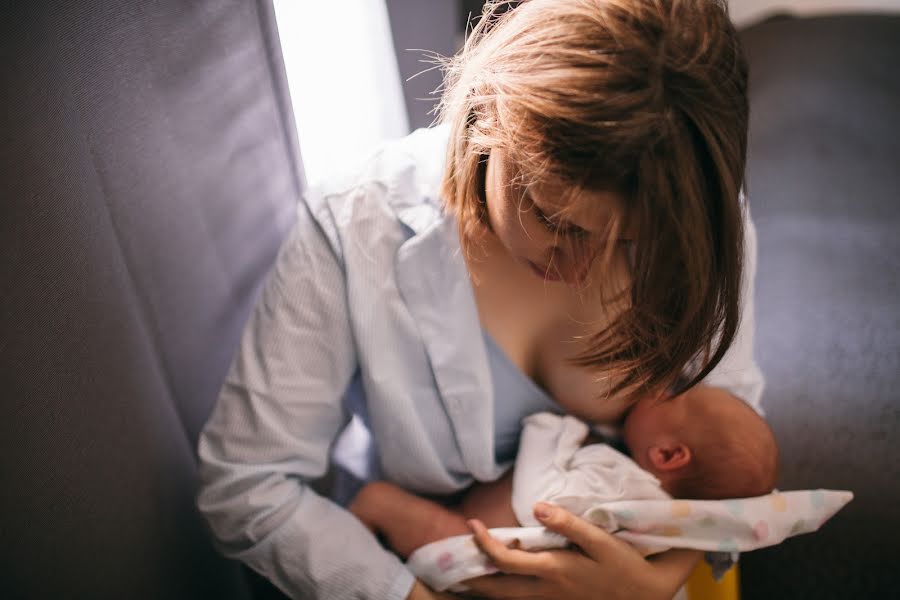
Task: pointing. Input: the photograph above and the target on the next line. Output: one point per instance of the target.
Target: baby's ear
(669, 456)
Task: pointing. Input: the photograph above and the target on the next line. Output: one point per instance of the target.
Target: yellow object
(701, 585)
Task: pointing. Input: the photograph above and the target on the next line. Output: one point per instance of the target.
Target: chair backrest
(822, 183)
(148, 171)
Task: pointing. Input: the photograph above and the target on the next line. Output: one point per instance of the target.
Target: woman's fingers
(591, 539)
(512, 560)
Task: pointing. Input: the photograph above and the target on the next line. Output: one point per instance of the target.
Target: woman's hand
(605, 568)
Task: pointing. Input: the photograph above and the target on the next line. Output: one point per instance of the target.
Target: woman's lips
(544, 273)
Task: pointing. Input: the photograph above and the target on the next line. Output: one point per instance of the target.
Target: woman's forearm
(675, 567)
(405, 520)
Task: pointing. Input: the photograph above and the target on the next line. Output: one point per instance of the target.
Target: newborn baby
(686, 446)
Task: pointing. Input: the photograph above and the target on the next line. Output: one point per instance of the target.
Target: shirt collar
(434, 282)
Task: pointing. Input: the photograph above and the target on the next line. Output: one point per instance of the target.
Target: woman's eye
(572, 231)
(544, 220)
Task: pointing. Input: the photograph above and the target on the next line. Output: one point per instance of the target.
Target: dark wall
(822, 182)
(417, 26)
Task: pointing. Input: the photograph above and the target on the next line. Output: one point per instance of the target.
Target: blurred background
(152, 154)
(384, 53)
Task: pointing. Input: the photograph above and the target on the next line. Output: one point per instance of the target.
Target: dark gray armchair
(148, 173)
(149, 170)
(824, 184)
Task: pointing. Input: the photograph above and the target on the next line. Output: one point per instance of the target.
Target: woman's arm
(271, 431)
(406, 521)
(606, 567)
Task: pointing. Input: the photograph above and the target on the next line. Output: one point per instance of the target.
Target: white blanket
(608, 489)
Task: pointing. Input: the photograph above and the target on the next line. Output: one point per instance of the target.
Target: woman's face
(525, 221)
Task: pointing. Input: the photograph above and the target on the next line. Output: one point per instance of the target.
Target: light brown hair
(644, 97)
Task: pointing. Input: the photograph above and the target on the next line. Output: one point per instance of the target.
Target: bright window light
(343, 78)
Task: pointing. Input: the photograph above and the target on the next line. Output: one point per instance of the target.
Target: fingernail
(543, 511)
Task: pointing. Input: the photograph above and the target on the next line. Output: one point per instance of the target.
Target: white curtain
(343, 78)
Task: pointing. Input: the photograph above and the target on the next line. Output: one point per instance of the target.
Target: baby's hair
(647, 98)
(734, 455)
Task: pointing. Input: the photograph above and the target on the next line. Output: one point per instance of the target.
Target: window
(343, 78)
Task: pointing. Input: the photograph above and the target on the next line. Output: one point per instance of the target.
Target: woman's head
(628, 119)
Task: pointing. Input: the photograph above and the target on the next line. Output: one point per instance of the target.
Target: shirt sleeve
(270, 433)
(738, 372)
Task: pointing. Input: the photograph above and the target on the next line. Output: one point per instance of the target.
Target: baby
(687, 446)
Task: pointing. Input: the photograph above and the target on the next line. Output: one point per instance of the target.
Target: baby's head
(703, 445)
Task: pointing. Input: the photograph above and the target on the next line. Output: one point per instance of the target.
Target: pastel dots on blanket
(728, 545)
(735, 507)
(817, 498)
(707, 522)
(779, 502)
(681, 509)
(445, 562)
(761, 531)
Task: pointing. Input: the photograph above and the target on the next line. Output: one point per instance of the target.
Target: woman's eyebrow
(564, 225)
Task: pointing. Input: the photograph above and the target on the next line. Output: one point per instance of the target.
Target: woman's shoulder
(368, 212)
(399, 174)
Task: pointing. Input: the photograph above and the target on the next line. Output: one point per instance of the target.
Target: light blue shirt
(369, 287)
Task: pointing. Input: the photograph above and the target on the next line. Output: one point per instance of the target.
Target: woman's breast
(577, 391)
(538, 325)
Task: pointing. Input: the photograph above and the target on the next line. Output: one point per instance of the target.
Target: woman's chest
(539, 334)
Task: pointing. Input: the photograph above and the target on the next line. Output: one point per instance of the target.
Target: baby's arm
(408, 522)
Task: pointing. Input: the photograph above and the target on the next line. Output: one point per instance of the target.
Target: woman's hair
(647, 98)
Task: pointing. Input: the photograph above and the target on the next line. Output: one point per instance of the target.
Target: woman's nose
(572, 265)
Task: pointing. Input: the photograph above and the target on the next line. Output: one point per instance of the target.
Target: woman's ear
(669, 456)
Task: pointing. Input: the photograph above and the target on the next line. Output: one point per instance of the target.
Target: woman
(570, 238)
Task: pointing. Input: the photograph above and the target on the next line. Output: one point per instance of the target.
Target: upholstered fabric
(823, 183)
(148, 174)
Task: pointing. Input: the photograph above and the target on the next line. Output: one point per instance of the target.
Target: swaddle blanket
(606, 488)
